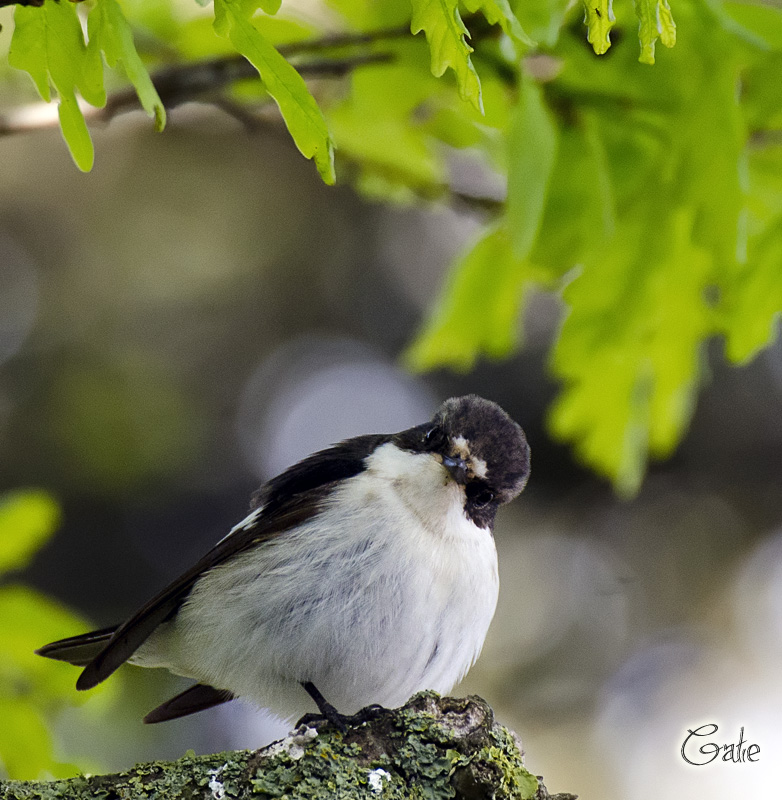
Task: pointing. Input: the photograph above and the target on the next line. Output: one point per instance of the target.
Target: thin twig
(177, 85)
(338, 68)
(181, 84)
(474, 202)
(251, 121)
(334, 40)
(761, 138)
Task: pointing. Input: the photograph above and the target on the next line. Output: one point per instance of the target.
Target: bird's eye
(433, 436)
(479, 495)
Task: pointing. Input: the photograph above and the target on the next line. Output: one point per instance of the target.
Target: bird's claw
(343, 721)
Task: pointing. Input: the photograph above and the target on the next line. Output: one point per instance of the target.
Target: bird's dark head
(480, 447)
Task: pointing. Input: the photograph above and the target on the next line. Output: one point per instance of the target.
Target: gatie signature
(735, 752)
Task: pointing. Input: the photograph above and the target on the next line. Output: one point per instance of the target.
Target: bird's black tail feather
(78, 650)
(197, 698)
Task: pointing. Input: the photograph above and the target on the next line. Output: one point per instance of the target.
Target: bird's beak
(456, 467)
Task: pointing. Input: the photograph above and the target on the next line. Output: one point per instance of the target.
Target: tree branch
(36, 3)
(442, 747)
(181, 84)
(177, 85)
(184, 82)
(205, 80)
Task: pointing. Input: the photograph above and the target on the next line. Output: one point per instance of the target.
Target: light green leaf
(532, 145)
(301, 113)
(499, 12)
(110, 33)
(32, 688)
(29, 619)
(270, 6)
(26, 748)
(654, 22)
(760, 25)
(75, 132)
(599, 19)
(48, 43)
(442, 24)
(27, 520)
(630, 348)
(543, 19)
(366, 15)
(29, 47)
(580, 210)
(479, 311)
(754, 302)
(761, 97)
(375, 127)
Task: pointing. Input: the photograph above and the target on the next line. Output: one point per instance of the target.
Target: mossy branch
(432, 747)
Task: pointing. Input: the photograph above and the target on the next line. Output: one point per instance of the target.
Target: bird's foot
(343, 721)
(330, 714)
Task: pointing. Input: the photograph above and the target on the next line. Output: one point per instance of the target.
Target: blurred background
(201, 311)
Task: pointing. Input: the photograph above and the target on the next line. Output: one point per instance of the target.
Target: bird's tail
(78, 650)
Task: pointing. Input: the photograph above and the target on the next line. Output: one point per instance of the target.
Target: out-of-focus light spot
(18, 296)
(35, 115)
(531, 619)
(419, 272)
(758, 603)
(311, 393)
(671, 687)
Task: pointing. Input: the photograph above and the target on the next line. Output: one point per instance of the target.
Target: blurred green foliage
(119, 428)
(650, 197)
(32, 690)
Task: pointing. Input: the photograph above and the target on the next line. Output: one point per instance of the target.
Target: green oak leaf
(581, 191)
(110, 32)
(655, 21)
(543, 19)
(599, 19)
(301, 113)
(629, 353)
(29, 751)
(754, 301)
(532, 146)
(31, 688)
(49, 44)
(479, 311)
(499, 12)
(374, 127)
(27, 520)
(444, 30)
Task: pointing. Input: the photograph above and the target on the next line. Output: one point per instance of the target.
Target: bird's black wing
(283, 503)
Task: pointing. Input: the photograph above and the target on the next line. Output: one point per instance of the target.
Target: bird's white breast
(389, 590)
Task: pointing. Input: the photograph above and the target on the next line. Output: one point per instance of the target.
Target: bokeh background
(200, 312)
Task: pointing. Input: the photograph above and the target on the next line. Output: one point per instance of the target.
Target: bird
(363, 574)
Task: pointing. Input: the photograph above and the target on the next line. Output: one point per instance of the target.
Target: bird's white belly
(370, 603)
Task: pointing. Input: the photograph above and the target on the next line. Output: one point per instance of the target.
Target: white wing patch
(245, 525)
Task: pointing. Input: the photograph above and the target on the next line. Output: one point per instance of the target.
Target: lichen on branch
(433, 747)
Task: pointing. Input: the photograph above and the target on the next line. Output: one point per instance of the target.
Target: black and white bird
(363, 574)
